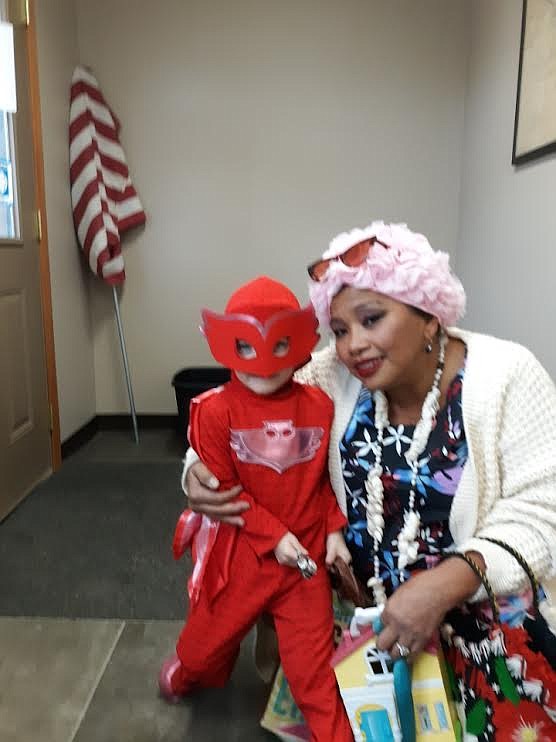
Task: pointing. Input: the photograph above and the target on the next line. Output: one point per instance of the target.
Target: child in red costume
(270, 434)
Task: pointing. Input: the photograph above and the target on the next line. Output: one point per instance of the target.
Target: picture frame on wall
(535, 111)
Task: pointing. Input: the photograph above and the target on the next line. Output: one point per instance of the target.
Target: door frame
(44, 262)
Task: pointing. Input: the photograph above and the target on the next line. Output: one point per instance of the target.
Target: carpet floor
(94, 541)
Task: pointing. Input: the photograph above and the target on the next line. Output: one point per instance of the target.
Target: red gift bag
(503, 676)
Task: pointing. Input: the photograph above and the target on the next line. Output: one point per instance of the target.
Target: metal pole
(126, 364)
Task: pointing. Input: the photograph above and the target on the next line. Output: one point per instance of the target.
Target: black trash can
(189, 382)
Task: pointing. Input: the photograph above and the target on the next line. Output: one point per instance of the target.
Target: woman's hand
(288, 549)
(203, 497)
(416, 609)
(336, 547)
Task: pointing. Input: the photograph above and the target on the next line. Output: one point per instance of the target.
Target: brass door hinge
(18, 12)
(39, 225)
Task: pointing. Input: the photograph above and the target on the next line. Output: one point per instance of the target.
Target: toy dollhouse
(366, 679)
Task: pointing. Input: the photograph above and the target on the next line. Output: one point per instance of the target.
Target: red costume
(276, 447)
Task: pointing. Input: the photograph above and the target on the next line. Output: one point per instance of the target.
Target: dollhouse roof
(350, 644)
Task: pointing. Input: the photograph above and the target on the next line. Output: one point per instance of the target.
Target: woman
(441, 438)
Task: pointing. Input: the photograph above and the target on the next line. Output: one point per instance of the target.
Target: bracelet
(482, 577)
(523, 564)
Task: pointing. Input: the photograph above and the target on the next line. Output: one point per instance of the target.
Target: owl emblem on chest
(278, 444)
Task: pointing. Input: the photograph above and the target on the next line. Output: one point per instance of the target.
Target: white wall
(255, 130)
(58, 54)
(506, 255)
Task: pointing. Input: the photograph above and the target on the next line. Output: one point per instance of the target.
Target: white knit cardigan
(507, 489)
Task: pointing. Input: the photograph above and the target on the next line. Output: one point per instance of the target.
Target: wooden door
(25, 416)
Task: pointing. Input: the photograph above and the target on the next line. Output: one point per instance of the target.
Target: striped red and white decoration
(104, 201)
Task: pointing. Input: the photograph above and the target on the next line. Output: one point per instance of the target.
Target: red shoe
(167, 672)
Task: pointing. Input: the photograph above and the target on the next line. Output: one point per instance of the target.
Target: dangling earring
(428, 347)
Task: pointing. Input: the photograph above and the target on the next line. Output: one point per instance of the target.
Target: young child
(269, 434)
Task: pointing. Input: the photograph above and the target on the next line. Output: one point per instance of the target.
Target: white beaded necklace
(407, 539)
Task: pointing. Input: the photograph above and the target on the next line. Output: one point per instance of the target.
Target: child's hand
(288, 549)
(336, 547)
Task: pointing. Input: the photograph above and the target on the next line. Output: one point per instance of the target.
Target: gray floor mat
(95, 541)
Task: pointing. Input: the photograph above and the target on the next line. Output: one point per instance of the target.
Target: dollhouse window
(441, 715)
(424, 718)
(378, 662)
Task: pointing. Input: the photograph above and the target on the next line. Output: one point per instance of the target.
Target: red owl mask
(261, 313)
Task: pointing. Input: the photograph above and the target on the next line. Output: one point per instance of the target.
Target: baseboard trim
(81, 436)
(115, 422)
(144, 422)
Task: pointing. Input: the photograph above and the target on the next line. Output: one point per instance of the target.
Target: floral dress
(487, 717)
(440, 469)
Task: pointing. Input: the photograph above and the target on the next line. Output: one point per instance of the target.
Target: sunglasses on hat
(353, 257)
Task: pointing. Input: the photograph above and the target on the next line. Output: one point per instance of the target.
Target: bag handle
(522, 563)
(482, 577)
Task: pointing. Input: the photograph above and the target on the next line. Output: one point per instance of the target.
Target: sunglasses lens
(318, 270)
(357, 254)
(353, 258)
